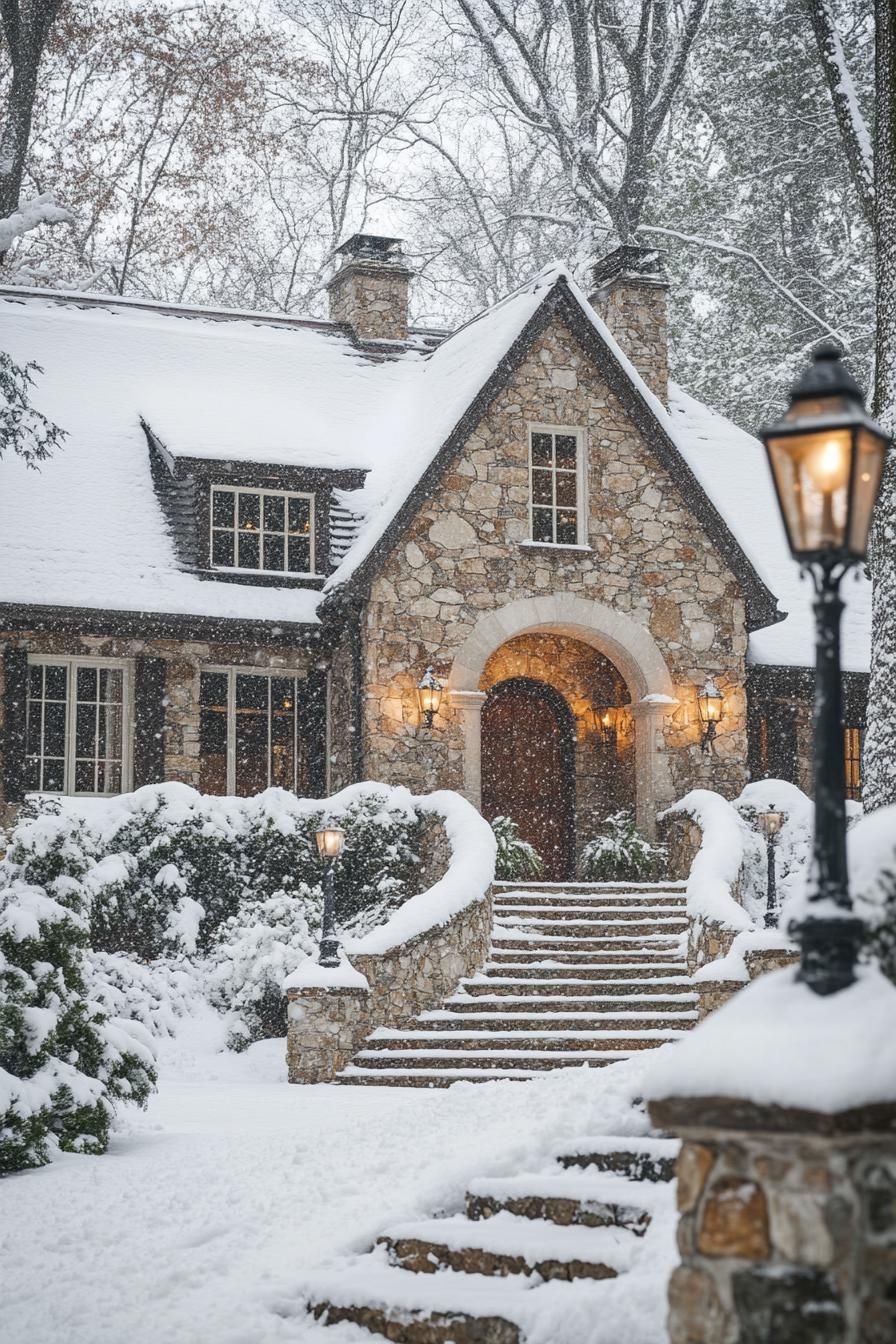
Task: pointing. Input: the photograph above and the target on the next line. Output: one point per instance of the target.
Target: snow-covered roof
(732, 468)
(88, 530)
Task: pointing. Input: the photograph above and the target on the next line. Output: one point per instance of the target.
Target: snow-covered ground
(209, 1208)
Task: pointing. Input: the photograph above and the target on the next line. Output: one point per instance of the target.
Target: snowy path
(197, 1224)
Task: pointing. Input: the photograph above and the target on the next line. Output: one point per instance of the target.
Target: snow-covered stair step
(570, 1198)
(581, 1003)
(446, 1308)
(447, 1021)
(622, 907)
(396, 1039)
(650, 946)
(638, 1159)
(505, 937)
(507, 1244)
(628, 969)
(617, 981)
(458, 1057)
(583, 914)
(594, 888)
(355, 1075)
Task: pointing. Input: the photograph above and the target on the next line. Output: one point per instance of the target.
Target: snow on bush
(621, 853)
(871, 847)
(64, 1060)
(515, 860)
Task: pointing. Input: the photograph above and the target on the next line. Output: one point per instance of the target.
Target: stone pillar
(469, 706)
(787, 1229)
(630, 292)
(653, 783)
(325, 1028)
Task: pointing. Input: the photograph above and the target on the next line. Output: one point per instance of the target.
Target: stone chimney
(629, 290)
(370, 289)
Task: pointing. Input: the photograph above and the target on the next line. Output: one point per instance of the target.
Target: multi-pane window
(268, 531)
(852, 753)
(554, 473)
(251, 732)
(76, 739)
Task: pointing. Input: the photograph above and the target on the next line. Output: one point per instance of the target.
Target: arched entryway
(528, 770)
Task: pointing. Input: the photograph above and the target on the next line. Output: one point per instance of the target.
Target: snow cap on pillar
(629, 290)
(369, 291)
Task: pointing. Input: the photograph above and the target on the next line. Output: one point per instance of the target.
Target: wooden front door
(528, 742)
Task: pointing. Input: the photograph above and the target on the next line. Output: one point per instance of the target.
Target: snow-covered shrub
(516, 860)
(871, 849)
(253, 953)
(621, 853)
(64, 1061)
(158, 994)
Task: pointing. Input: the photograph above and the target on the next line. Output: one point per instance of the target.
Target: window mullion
(231, 732)
(68, 765)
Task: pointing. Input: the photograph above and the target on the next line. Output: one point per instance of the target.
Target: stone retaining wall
(327, 1026)
(714, 994)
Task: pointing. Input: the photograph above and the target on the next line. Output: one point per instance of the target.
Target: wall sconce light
(606, 722)
(429, 695)
(709, 702)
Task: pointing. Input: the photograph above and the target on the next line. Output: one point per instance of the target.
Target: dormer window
(262, 531)
(556, 485)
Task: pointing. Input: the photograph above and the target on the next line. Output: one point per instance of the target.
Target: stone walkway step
(584, 956)
(507, 1244)
(354, 1075)
(583, 1003)
(603, 970)
(469, 1058)
(641, 1159)
(527, 1022)
(622, 907)
(621, 982)
(569, 1196)
(408, 1042)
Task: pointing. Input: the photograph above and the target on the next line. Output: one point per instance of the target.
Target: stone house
(261, 531)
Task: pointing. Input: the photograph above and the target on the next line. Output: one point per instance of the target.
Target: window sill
(565, 547)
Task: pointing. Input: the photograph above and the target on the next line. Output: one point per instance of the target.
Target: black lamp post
(330, 840)
(770, 823)
(827, 458)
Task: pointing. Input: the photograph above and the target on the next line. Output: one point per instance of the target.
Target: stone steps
(577, 975)
(545, 1241)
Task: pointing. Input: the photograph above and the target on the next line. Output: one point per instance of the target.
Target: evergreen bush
(621, 853)
(64, 1061)
(516, 860)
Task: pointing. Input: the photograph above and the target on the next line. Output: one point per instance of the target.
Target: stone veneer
(787, 1229)
(636, 311)
(185, 659)
(466, 554)
(372, 299)
(326, 1027)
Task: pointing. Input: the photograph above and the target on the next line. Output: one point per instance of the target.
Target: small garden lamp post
(330, 840)
(827, 458)
(710, 702)
(429, 694)
(770, 824)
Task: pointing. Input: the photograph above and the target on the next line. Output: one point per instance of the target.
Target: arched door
(528, 774)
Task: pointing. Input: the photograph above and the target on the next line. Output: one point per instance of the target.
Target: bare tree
(26, 26)
(596, 81)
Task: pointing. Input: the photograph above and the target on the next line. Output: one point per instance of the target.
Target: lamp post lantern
(429, 694)
(770, 823)
(330, 840)
(827, 457)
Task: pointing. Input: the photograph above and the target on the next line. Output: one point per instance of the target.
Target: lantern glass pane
(329, 842)
(812, 479)
(867, 470)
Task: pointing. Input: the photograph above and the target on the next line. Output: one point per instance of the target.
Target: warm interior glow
(827, 465)
(771, 822)
(710, 703)
(330, 840)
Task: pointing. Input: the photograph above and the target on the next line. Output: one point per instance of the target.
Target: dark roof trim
(775, 681)
(761, 603)
(19, 616)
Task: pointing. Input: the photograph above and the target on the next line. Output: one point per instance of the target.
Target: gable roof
(450, 395)
(87, 531)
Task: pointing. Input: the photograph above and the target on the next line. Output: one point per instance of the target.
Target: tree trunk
(25, 28)
(879, 786)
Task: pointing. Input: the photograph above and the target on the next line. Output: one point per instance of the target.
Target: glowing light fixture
(429, 695)
(710, 703)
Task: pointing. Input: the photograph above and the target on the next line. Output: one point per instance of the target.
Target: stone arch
(628, 645)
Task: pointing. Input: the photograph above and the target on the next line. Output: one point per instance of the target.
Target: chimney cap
(371, 247)
(629, 262)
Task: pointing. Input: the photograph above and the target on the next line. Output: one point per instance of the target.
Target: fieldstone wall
(372, 299)
(185, 662)
(466, 553)
(326, 1027)
(715, 994)
(787, 1228)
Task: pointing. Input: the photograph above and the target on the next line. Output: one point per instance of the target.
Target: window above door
(557, 497)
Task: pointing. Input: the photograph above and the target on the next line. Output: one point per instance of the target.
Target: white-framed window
(78, 738)
(251, 731)
(262, 531)
(556, 485)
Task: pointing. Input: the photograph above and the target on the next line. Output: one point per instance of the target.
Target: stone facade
(185, 659)
(326, 1027)
(787, 1227)
(466, 554)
